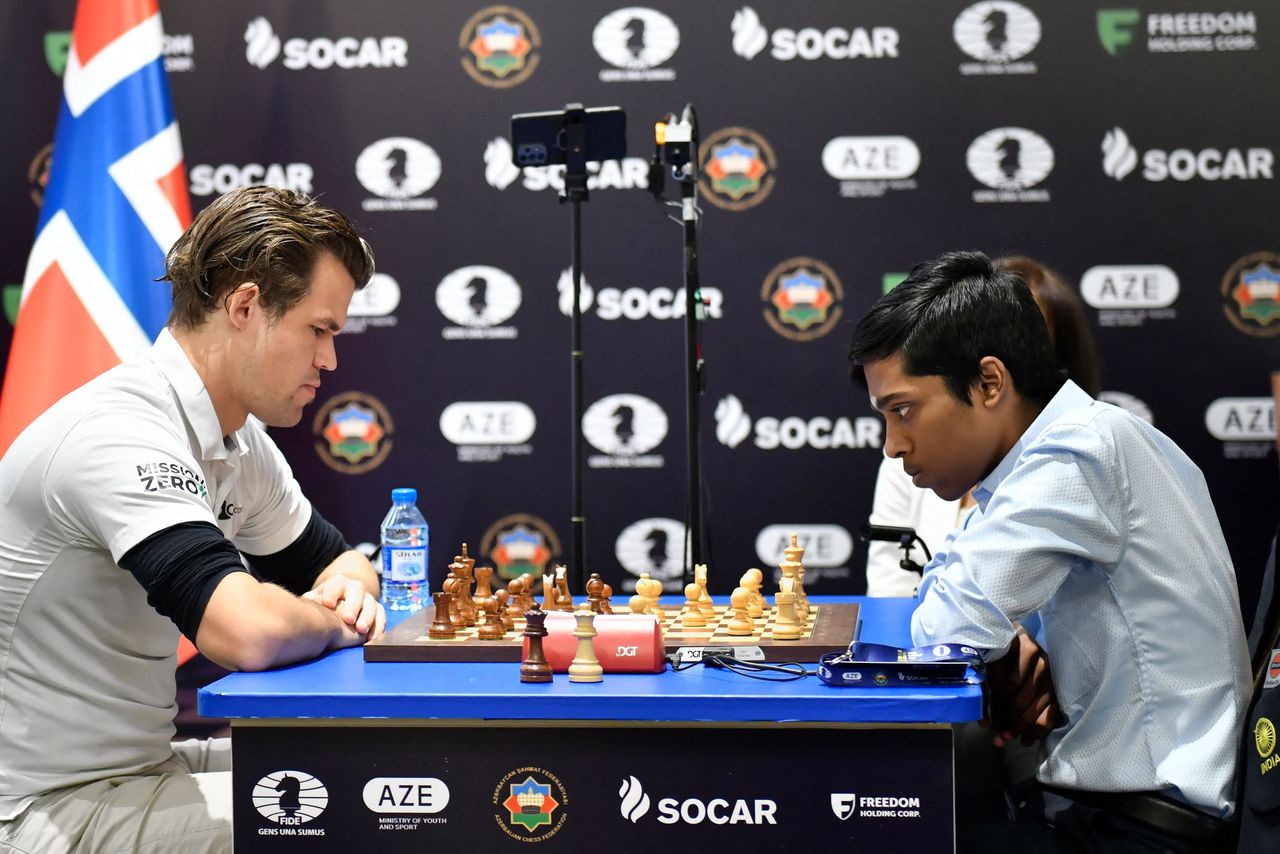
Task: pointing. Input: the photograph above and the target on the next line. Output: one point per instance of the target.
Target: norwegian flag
(115, 202)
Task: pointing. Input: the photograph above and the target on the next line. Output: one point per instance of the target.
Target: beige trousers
(182, 805)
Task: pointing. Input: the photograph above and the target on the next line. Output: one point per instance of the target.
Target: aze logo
(500, 46)
(738, 168)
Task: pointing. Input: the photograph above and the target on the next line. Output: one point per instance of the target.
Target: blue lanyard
(866, 665)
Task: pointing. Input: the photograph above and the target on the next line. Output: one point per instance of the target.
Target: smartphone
(538, 139)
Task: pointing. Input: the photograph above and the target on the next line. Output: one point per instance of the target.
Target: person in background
(898, 503)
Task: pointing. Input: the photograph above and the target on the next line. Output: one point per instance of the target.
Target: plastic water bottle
(404, 553)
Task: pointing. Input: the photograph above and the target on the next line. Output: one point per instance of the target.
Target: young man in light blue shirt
(1087, 516)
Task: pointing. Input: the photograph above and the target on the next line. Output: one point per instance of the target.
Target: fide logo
(653, 546)
(1251, 294)
(290, 798)
(802, 299)
(625, 428)
(479, 299)
(353, 433)
(997, 33)
(398, 169)
(1010, 161)
(500, 46)
(635, 41)
(737, 168)
(527, 800)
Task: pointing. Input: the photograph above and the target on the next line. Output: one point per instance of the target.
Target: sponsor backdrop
(1127, 146)
(497, 790)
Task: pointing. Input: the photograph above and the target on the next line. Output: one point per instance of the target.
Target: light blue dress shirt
(1100, 523)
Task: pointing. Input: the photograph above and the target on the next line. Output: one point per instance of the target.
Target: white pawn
(741, 623)
(692, 618)
(585, 667)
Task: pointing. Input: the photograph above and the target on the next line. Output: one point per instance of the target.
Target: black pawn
(535, 668)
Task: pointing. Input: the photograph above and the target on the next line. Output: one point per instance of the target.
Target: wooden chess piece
(752, 579)
(639, 603)
(490, 626)
(692, 618)
(515, 593)
(463, 602)
(794, 557)
(453, 586)
(585, 667)
(741, 623)
(441, 628)
(484, 584)
(549, 590)
(606, 593)
(504, 611)
(526, 591)
(535, 668)
(704, 598)
(594, 588)
(652, 591)
(564, 599)
(786, 625)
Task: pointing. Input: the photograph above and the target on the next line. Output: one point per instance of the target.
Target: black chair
(1258, 783)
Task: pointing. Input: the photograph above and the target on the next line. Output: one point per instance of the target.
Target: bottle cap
(404, 495)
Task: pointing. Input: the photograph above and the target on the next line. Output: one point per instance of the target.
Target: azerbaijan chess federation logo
(353, 433)
(737, 169)
(520, 544)
(528, 800)
(500, 46)
(1251, 294)
(290, 797)
(802, 299)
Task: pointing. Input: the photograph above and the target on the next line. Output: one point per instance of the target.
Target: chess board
(829, 628)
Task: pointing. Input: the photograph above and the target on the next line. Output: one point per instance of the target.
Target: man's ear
(994, 383)
(241, 303)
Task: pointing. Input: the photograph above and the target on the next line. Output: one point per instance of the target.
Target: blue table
(450, 728)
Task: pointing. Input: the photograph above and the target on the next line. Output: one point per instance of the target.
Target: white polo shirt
(86, 665)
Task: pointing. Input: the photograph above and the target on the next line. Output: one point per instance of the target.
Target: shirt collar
(1068, 397)
(193, 399)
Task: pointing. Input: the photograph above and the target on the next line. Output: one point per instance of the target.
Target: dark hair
(948, 315)
(1064, 314)
(264, 235)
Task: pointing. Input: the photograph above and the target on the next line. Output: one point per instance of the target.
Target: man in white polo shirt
(148, 502)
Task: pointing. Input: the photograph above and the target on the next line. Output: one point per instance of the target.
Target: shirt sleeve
(179, 568)
(120, 476)
(891, 505)
(296, 566)
(277, 511)
(1061, 508)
